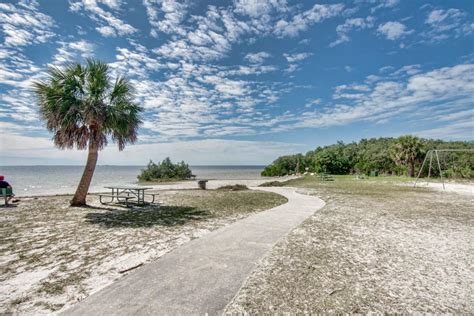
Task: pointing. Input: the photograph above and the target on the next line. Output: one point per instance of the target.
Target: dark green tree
(407, 150)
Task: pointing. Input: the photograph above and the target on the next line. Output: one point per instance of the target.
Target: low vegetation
(165, 171)
(233, 187)
(272, 184)
(53, 256)
(387, 156)
(377, 247)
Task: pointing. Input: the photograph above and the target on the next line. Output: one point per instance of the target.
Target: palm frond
(82, 107)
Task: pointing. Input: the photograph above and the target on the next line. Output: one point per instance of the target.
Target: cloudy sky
(243, 81)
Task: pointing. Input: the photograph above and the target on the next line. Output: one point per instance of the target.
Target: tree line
(388, 156)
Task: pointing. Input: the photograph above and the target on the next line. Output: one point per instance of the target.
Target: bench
(7, 193)
(112, 196)
(125, 197)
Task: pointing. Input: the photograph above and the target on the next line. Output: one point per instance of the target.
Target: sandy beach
(52, 255)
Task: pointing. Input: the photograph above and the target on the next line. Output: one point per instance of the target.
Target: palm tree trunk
(411, 169)
(79, 198)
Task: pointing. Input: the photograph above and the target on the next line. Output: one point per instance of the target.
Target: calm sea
(37, 180)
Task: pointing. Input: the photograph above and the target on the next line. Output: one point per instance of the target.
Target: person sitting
(5, 185)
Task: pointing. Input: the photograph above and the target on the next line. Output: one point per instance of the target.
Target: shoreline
(175, 185)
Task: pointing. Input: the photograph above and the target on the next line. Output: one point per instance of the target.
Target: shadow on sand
(148, 216)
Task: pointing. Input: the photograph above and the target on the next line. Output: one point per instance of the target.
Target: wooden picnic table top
(124, 187)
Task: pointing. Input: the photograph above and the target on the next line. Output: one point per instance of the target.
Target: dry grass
(375, 247)
(53, 255)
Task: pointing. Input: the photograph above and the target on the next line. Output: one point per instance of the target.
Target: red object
(1, 178)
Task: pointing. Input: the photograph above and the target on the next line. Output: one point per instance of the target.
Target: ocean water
(38, 180)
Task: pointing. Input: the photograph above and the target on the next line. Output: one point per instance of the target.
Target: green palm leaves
(82, 106)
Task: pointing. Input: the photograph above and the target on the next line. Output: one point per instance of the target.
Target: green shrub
(165, 170)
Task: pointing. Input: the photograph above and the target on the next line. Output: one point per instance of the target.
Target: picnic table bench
(6, 193)
(128, 195)
(325, 177)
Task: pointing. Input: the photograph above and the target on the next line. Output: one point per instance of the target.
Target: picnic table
(127, 194)
(325, 177)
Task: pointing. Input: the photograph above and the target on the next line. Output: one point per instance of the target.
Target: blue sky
(241, 82)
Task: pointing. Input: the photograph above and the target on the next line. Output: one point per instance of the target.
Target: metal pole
(439, 167)
(429, 170)
(421, 169)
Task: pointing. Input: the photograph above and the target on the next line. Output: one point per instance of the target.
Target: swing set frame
(434, 152)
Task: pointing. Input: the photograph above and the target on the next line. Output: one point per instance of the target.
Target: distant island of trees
(387, 156)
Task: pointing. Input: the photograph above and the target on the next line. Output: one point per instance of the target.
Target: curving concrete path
(205, 274)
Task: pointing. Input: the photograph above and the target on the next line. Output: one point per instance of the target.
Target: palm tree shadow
(148, 216)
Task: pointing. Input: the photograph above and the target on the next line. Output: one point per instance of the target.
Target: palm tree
(406, 151)
(83, 107)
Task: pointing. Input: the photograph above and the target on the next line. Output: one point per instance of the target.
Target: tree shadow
(9, 205)
(148, 216)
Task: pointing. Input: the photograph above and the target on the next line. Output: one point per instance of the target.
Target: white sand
(460, 188)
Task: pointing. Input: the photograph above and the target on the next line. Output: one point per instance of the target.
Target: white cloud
(415, 97)
(349, 25)
(257, 58)
(106, 31)
(135, 62)
(438, 17)
(459, 130)
(23, 24)
(385, 4)
(313, 102)
(444, 24)
(210, 39)
(292, 68)
(257, 8)
(113, 4)
(72, 52)
(393, 30)
(292, 58)
(18, 73)
(109, 24)
(301, 21)
(166, 16)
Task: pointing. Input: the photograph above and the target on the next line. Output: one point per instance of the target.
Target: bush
(165, 170)
(235, 187)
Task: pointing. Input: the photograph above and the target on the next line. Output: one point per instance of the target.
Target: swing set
(433, 153)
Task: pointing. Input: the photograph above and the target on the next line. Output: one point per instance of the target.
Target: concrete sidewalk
(204, 275)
